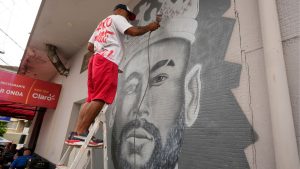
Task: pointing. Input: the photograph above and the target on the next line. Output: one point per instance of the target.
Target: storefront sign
(21, 89)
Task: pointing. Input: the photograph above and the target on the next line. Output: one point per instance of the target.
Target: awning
(17, 110)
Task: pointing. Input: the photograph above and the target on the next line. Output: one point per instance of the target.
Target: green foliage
(3, 128)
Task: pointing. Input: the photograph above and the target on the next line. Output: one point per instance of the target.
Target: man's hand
(153, 26)
(90, 47)
(141, 30)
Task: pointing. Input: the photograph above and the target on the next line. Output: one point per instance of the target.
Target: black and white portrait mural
(174, 107)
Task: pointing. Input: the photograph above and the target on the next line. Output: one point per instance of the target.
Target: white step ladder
(82, 156)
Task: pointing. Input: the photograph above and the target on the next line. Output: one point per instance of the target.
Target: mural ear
(192, 89)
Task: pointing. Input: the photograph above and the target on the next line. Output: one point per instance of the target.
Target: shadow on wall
(184, 113)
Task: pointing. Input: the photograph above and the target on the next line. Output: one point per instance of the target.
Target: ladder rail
(105, 158)
(79, 155)
(92, 130)
(66, 155)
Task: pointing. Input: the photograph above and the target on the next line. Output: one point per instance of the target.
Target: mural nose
(142, 114)
(143, 107)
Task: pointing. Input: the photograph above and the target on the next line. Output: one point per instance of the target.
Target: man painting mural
(106, 44)
(165, 116)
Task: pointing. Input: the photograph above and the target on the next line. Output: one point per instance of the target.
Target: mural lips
(147, 137)
(140, 134)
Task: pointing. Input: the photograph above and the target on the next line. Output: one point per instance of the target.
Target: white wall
(246, 49)
(56, 123)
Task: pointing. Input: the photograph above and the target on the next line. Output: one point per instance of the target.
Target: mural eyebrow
(161, 64)
(171, 63)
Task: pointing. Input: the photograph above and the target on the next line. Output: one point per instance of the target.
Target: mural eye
(159, 79)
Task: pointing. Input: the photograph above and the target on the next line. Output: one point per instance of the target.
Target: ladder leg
(104, 132)
(93, 129)
(65, 156)
(79, 155)
(105, 159)
(89, 159)
(92, 159)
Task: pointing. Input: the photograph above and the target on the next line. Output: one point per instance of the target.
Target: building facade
(196, 91)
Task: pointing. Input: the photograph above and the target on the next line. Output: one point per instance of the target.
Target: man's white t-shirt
(108, 37)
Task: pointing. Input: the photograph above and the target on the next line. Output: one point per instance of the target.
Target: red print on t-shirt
(104, 24)
(103, 30)
(107, 53)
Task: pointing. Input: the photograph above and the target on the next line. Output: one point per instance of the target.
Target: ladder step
(78, 146)
(62, 167)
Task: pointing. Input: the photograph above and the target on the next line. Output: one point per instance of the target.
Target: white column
(285, 146)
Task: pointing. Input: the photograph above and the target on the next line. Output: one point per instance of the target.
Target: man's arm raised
(141, 30)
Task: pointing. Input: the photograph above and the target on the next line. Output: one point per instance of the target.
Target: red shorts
(102, 79)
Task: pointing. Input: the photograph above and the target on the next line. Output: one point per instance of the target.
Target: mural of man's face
(148, 127)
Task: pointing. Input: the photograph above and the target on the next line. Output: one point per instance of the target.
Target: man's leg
(92, 110)
(82, 113)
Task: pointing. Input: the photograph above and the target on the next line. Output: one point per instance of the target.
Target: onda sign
(21, 89)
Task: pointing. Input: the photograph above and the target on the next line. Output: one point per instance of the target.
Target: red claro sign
(22, 89)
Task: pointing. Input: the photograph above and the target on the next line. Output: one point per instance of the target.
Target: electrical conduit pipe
(285, 146)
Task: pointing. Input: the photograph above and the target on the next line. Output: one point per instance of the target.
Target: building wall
(290, 30)
(206, 102)
(57, 123)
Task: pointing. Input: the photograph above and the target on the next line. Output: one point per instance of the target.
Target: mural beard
(163, 157)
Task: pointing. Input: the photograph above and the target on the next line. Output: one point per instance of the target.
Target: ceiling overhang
(66, 24)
